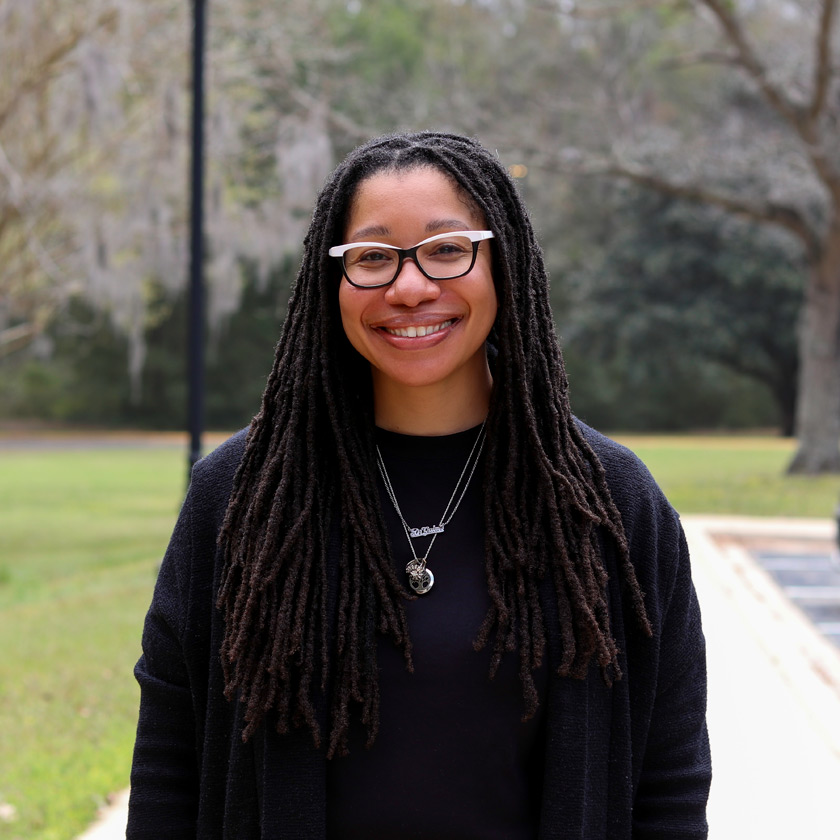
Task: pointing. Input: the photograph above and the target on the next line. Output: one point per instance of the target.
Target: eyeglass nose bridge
(404, 254)
(411, 253)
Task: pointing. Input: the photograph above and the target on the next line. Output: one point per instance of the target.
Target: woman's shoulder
(651, 525)
(226, 456)
(212, 476)
(633, 489)
(620, 463)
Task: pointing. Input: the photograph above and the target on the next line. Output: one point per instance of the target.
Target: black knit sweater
(631, 761)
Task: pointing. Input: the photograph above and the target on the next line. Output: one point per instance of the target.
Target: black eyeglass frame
(476, 237)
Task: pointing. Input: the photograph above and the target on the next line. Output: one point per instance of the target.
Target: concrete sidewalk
(774, 689)
(774, 693)
(111, 822)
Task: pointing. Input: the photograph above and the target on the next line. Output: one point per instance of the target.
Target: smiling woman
(305, 674)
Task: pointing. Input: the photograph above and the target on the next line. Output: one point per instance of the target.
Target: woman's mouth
(418, 331)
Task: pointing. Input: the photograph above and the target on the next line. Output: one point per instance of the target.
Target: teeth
(419, 332)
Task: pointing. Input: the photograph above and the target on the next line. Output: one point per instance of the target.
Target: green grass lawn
(81, 534)
(734, 475)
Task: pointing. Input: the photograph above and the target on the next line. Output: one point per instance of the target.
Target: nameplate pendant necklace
(420, 577)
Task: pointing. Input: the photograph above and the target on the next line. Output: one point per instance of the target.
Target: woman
(418, 599)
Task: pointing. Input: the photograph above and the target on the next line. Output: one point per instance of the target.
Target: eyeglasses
(371, 265)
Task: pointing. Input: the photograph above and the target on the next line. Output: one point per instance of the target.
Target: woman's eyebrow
(431, 227)
(371, 230)
(451, 224)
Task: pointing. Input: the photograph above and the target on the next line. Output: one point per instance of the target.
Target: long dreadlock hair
(308, 473)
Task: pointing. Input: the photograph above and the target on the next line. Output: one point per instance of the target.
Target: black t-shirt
(453, 758)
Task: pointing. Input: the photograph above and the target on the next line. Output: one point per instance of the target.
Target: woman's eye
(374, 257)
(448, 249)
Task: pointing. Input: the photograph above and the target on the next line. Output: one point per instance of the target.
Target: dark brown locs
(307, 482)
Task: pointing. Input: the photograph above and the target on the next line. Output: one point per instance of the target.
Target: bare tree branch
(736, 36)
(822, 63)
(339, 120)
(705, 57)
(768, 212)
(574, 9)
(799, 119)
(17, 200)
(16, 338)
(576, 162)
(41, 73)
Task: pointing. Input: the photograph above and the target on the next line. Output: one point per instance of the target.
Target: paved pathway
(111, 822)
(774, 692)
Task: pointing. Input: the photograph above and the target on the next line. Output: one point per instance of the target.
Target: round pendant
(420, 579)
(423, 583)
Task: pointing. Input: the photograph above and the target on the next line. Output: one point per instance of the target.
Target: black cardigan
(631, 761)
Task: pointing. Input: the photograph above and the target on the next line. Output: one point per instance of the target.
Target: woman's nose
(411, 287)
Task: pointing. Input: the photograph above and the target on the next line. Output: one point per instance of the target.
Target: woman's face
(418, 332)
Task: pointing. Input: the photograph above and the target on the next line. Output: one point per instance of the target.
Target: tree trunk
(818, 404)
(785, 397)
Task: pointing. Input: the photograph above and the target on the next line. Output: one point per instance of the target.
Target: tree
(669, 279)
(39, 143)
(89, 159)
(748, 121)
(93, 162)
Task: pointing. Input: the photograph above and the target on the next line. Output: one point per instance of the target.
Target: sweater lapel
(579, 727)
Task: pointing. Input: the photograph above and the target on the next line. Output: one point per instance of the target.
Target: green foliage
(80, 373)
(85, 378)
(161, 399)
(385, 40)
(241, 354)
(671, 392)
(687, 317)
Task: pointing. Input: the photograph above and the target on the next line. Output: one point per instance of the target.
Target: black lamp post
(195, 413)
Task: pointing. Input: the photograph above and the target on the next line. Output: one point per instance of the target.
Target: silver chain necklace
(420, 577)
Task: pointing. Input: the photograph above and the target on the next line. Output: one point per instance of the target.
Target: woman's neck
(430, 410)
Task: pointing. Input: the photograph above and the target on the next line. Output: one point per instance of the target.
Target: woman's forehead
(388, 187)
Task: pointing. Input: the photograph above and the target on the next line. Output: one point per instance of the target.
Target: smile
(419, 332)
